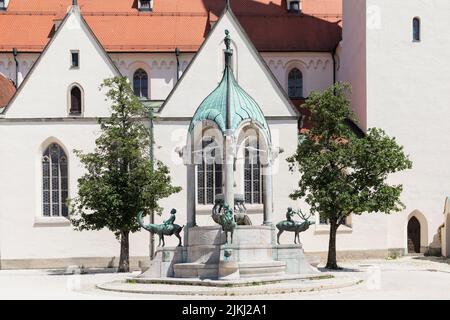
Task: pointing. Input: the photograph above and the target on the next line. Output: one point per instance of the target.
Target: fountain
(252, 251)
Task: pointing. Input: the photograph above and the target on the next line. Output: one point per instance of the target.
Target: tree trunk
(124, 260)
(331, 262)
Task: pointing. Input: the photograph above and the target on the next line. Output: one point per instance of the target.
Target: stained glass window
(54, 182)
(75, 100)
(295, 83)
(252, 173)
(140, 83)
(209, 173)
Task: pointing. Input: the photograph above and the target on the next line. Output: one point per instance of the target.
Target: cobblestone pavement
(404, 278)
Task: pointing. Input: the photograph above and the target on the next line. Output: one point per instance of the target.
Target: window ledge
(42, 222)
(325, 229)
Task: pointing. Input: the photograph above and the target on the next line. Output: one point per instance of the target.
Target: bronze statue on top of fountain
(240, 211)
(227, 221)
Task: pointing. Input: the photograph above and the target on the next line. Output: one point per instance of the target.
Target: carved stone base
(295, 259)
(252, 254)
(162, 265)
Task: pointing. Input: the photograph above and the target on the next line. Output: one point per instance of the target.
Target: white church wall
(317, 69)
(169, 135)
(352, 54)
(25, 233)
(408, 95)
(8, 65)
(204, 77)
(160, 67)
(394, 79)
(45, 94)
(397, 89)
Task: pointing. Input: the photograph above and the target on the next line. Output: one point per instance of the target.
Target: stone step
(246, 269)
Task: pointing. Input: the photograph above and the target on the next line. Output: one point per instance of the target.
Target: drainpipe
(177, 54)
(333, 54)
(15, 53)
(152, 161)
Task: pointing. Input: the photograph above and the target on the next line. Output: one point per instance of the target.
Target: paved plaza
(404, 278)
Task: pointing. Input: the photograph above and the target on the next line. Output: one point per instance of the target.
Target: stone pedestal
(252, 254)
(162, 265)
(295, 259)
(228, 265)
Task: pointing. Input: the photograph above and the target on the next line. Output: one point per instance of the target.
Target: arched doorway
(413, 235)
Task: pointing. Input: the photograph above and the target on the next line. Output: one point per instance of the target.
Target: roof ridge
(145, 14)
(171, 13)
(29, 13)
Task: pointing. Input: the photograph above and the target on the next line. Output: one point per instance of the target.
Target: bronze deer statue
(290, 225)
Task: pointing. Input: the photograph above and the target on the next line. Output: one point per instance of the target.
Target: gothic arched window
(75, 100)
(55, 182)
(140, 83)
(416, 29)
(252, 172)
(209, 173)
(295, 83)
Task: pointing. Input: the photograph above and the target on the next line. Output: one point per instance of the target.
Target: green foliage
(120, 178)
(342, 174)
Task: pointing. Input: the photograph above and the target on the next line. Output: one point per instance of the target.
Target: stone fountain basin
(252, 254)
(243, 235)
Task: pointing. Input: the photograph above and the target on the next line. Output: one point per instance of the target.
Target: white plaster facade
(392, 78)
(37, 116)
(402, 86)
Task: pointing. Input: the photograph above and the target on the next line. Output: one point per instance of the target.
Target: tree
(121, 179)
(342, 174)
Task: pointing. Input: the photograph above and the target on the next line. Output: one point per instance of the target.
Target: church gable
(206, 70)
(72, 66)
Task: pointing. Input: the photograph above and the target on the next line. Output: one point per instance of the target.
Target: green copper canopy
(241, 106)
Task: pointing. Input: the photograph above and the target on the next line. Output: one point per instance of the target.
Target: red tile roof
(7, 91)
(28, 25)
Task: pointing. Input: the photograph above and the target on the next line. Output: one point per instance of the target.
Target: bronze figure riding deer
(290, 225)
